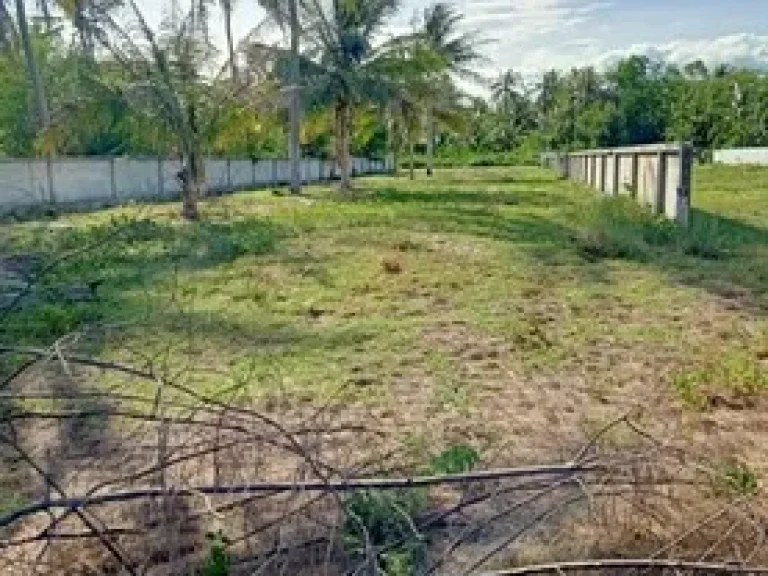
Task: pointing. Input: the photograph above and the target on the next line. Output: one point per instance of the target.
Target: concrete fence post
(113, 178)
(635, 182)
(50, 179)
(229, 176)
(273, 174)
(603, 173)
(160, 179)
(610, 170)
(684, 185)
(661, 183)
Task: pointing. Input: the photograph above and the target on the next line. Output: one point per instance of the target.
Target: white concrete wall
(657, 176)
(736, 156)
(241, 172)
(82, 180)
(26, 182)
(136, 178)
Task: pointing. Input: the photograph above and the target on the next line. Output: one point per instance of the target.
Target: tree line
(96, 77)
(637, 101)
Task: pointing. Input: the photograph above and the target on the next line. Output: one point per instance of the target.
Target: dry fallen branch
(322, 486)
(599, 565)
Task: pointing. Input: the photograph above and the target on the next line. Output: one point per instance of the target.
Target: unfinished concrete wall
(657, 176)
(27, 182)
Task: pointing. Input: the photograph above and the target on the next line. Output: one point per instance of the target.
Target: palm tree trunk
(192, 183)
(45, 8)
(81, 24)
(412, 161)
(295, 144)
(38, 89)
(430, 141)
(193, 186)
(227, 9)
(7, 29)
(343, 116)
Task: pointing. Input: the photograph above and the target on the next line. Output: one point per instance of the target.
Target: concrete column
(49, 177)
(113, 178)
(160, 182)
(635, 175)
(684, 186)
(661, 183)
(603, 171)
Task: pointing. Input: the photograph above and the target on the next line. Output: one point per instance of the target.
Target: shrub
(383, 520)
(618, 227)
(456, 460)
(218, 562)
(734, 381)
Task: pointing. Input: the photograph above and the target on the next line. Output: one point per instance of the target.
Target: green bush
(618, 227)
(218, 562)
(740, 479)
(456, 460)
(734, 379)
(383, 520)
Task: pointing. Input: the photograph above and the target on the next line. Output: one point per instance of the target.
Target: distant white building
(735, 156)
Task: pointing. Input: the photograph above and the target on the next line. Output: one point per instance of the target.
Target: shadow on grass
(533, 192)
(721, 255)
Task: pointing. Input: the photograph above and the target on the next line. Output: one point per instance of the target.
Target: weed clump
(620, 228)
(734, 381)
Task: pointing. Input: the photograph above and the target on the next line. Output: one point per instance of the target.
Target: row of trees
(96, 77)
(638, 101)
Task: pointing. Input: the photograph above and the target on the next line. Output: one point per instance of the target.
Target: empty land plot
(497, 308)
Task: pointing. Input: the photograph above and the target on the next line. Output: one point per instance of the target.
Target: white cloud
(521, 20)
(742, 50)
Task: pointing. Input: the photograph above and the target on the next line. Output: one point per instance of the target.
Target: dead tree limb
(599, 565)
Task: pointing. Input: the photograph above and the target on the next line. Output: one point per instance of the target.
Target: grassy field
(488, 291)
(497, 307)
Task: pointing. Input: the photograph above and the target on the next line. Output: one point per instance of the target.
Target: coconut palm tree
(504, 90)
(343, 62)
(440, 29)
(165, 75)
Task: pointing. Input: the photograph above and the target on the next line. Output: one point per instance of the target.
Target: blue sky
(534, 35)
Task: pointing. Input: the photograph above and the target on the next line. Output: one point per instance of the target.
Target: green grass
(509, 285)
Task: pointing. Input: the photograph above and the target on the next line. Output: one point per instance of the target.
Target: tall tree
(343, 60)
(286, 14)
(169, 76)
(504, 90)
(459, 51)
